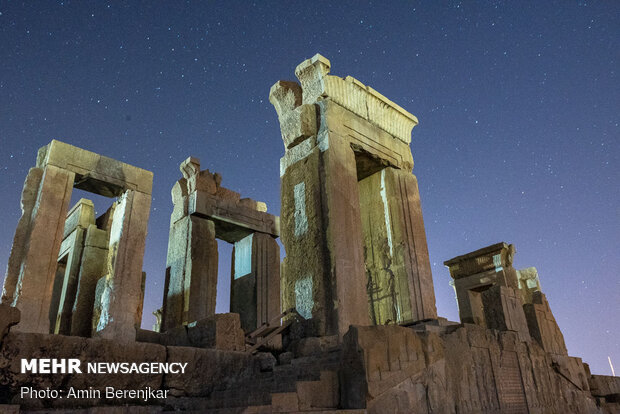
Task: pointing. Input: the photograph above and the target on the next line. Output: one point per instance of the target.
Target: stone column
(91, 270)
(71, 254)
(343, 226)
(22, 234)
(255, 280)
(409, 231)
(32, 266)
(201, 271)
(192, 272)
(266, 267)
(121, 299)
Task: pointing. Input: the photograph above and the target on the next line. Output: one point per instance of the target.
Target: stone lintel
(364, 101)
(94, 172)
(232, 218)
(493, 257)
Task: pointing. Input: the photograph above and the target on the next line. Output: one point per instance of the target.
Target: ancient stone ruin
(345, 323)
(203, 212)
(55, 256)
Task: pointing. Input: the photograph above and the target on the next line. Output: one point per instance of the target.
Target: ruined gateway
(345, 323)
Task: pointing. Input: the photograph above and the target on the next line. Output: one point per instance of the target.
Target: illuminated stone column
(192, 264)
(121, 302)
(255, 280)
(32, 265)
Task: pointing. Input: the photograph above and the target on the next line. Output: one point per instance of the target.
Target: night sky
(518, 102)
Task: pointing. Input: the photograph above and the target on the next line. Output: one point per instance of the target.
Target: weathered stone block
(209, 368)
(122, 298)
(220, 331)
(9, 316)
(542, 325)
(503, 310)
(319, 394)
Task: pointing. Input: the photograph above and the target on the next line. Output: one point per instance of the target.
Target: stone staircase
(307, 383)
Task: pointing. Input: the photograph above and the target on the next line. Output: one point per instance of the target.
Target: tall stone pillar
(32, 266)
(192, 266)
(70, 254)
(266, 266)
(122, 297)
(22, 234)
(346, 149)
(91, 270)
(397, 259)
(255, 280)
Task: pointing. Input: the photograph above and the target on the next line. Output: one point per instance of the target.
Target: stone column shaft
(92, 268)
(37, 267)
(22, 234)
(60, 318)
(192, 272)
(409, 230)
(266, 267)
(201, 271)
(346, 273)
(121, 301)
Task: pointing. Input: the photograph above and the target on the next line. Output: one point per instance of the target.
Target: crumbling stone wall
(464, 369)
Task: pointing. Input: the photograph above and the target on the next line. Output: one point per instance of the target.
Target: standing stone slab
(37, 271)
(70, 254)
(91, 270)
(22, 234)
(122, 299)
(543, 326)
(503, 310)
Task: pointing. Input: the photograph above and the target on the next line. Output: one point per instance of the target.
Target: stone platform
(435, 367)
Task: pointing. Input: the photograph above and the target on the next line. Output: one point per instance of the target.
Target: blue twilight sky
(518, 103)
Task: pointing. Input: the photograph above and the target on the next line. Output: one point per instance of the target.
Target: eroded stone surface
(203, 212)
(334, 261)
(45, 267)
